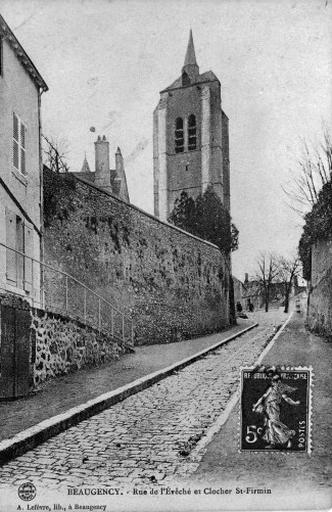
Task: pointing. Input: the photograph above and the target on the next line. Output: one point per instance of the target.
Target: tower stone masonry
(190, 138)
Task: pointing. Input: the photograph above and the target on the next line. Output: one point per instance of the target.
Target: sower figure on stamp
(276, 432)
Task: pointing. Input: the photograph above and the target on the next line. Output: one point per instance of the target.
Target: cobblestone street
(145, 438)
(297, 481)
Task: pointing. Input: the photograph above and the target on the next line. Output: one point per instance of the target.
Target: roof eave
(22, 55)
(170, 88)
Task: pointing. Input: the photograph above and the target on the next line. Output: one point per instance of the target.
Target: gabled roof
(208, 76)
(89, 176)
(23, 57)
(118, 183)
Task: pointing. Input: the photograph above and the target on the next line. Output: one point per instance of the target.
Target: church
(190, 138)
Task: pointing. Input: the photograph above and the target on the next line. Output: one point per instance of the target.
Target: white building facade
(21, 87)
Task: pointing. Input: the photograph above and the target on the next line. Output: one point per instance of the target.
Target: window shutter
(22, 143)
(19, 144)
(192, 132)
(15, 154)
(22, 132)
(19, 247)
(15, 127)
(28, 269)
(179, 135)
(23, 171)
(1, 55)
(15, 142)
(10, 242)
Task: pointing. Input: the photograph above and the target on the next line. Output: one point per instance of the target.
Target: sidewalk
(61, 394)
(296, 480)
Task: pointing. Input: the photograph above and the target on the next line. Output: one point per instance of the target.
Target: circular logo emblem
(27, 491)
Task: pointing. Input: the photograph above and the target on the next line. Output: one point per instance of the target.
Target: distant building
(253, 292)
(239, 293)
(21, 87)
(190, 138)
(113, 181)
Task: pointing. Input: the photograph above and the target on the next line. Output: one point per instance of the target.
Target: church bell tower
(190, 138)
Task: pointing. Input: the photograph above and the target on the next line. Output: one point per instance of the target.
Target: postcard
(165, 255)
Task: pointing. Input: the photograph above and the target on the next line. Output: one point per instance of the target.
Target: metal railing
(54, 290)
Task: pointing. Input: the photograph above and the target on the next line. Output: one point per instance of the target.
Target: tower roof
(190, 58)
(85, 166)
(190, 71)
(208, 76)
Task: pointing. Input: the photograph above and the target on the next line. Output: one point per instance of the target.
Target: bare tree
(55, 152)
(314, 170)
(289, 268)
(267, 272)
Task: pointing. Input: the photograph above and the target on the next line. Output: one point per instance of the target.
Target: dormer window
(192, 137)
(185, 78)
(179, 135)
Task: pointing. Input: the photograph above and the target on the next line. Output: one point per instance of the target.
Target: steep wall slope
(320, 298)
(175, 285)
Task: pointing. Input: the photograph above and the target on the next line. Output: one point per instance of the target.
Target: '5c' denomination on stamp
(275, 409)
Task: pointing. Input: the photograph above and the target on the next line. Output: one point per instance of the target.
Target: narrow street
(169, 437)
(146, 438)
(296, 481)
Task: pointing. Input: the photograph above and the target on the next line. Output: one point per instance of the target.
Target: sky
(105, 62)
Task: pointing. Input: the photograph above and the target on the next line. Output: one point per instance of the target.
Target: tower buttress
(205, 140)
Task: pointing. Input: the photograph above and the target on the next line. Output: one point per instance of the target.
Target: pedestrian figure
(275, 432)
(251, 306)
(238, 307)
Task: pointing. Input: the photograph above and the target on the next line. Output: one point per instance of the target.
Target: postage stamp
(275, 409)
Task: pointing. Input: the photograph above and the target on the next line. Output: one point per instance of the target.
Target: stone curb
(33, 436)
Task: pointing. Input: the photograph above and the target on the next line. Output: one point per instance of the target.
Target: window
(19, 240)
(19, 144)
(179, 135)
(192, 138)
(19, 232)
(185, 78)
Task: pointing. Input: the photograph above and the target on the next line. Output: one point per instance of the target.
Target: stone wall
(37, 345)
(319, 316)
(60, 345)
(174, 285)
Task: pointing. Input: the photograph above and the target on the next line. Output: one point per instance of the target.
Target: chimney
(102, 166)
(246, 277)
